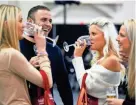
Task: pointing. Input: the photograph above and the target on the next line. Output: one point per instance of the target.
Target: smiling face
(43, 18)
(123, 40)
(97, 38)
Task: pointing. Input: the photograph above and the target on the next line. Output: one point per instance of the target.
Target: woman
(127, 42)
(14, 68)
(106, 70)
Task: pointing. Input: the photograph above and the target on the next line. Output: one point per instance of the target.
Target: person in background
(14, 67)
(105, 72)
(127, 44)
(41, 15)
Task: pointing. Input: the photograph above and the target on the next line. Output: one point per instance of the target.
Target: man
(41, 16)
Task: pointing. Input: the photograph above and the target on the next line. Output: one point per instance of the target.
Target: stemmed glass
(86, 37)
(31, 28)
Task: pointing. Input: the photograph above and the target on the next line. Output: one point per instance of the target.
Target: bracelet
(42, 54)
(39, 53)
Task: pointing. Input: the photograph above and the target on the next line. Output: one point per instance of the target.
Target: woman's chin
(20, 37)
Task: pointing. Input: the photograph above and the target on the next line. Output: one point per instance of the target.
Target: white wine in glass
(111, 92)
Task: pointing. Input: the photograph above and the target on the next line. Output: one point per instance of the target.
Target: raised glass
(31, 28)
(86, 37)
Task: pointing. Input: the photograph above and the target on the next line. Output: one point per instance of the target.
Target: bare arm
(20, 66)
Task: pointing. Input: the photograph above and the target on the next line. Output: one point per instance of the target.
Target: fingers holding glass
(80, 44)
(31, 29)
(79, 48)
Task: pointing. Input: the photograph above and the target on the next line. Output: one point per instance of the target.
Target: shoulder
(5, 57)
(15, 54)
(9, 51)
(112, 63)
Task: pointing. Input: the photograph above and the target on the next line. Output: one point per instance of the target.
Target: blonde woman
(105, 72)
(14, 68)
(127, 42)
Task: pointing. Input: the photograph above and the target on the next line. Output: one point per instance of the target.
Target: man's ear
(30, 20)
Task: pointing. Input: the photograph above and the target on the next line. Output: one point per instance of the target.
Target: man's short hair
(34, 9)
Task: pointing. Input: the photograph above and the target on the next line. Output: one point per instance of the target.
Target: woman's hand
(79, 48)
(40, 41)
(34, 61)
(114, 101)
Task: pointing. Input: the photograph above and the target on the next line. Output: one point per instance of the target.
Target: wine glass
(86, 37)
(111, 92)
(31, 28)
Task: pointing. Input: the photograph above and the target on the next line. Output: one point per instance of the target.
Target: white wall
(3, 2)
(82, 13)
(26, 5)
(126, 12)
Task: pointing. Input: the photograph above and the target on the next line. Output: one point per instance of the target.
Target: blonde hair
(131, 33)
(110, 35)
(8, 26)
